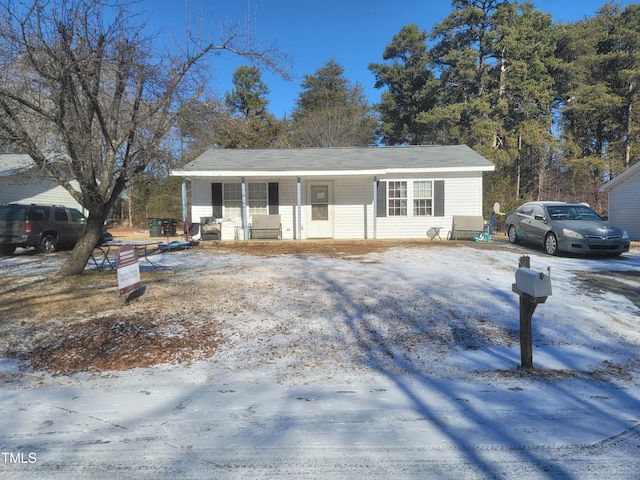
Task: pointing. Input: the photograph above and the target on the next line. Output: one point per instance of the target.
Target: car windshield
(572, 212)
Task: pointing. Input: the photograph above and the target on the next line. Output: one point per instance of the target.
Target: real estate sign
(128, 269)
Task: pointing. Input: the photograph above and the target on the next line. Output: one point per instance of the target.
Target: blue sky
(353, 32)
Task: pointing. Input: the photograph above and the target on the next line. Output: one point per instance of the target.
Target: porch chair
(265, 227)
(466, 227)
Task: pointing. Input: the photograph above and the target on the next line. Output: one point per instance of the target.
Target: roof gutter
(325, 173)
(16, 171)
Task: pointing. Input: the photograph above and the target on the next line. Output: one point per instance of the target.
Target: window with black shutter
(438, 198)
(216, 200)
(273, 199)
(381, 206)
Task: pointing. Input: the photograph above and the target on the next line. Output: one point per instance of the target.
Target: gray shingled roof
(366, 159)
(12, 163)
(614, 182)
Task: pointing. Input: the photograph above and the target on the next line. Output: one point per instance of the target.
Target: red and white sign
(128, 269)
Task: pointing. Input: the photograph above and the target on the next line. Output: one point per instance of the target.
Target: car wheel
(49, 244)
(551, 243)
(7, 249)
(513, 235)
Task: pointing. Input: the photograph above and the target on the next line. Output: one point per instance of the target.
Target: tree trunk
(130, 204)
(628, 136)
(518, 166)
(84, 248)
(542, 168)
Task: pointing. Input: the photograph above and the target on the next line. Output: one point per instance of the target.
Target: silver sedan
(565, 227)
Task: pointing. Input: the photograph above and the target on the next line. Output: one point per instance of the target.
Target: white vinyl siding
(623, 206)
(462, 196)
(288, 210)
(25, 189)
(200, 200)
(353, 205)
(353, 211)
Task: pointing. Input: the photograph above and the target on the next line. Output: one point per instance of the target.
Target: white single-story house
(340, 193)
(20, 182)
(624, 200)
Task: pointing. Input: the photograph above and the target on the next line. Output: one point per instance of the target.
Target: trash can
(169, 226)
(155, 227)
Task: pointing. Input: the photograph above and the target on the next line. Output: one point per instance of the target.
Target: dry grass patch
(117, 342)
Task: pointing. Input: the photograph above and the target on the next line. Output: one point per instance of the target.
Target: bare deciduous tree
(336, 126)
(84, 91)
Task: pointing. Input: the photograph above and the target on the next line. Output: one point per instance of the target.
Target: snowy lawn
(401, 363)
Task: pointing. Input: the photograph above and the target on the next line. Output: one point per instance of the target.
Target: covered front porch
(307, 206)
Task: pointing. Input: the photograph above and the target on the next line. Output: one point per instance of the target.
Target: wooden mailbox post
(533, 288)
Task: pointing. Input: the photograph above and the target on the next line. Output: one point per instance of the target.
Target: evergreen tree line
(552, 105)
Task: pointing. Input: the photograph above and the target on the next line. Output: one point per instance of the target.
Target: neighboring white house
(21, 183)
(624, 200)
(342, 193)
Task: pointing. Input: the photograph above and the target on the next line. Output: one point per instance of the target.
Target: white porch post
(245, 220)
(375, 207)
(299, 219)
(184, 210)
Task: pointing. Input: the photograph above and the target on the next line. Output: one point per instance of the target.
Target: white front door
(320, 214)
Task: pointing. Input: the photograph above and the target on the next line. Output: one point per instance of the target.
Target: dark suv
(44, 227)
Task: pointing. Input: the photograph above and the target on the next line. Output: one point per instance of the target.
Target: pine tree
(330, 112)
(248, 95)
(410, 88)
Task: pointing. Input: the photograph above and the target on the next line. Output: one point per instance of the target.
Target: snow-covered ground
(401, 364)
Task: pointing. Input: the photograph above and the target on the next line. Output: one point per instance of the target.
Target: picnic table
(100, 254)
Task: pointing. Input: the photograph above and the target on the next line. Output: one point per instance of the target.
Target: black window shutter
(216, 200)
(438, 198)
(273, 199)
(382, 199)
